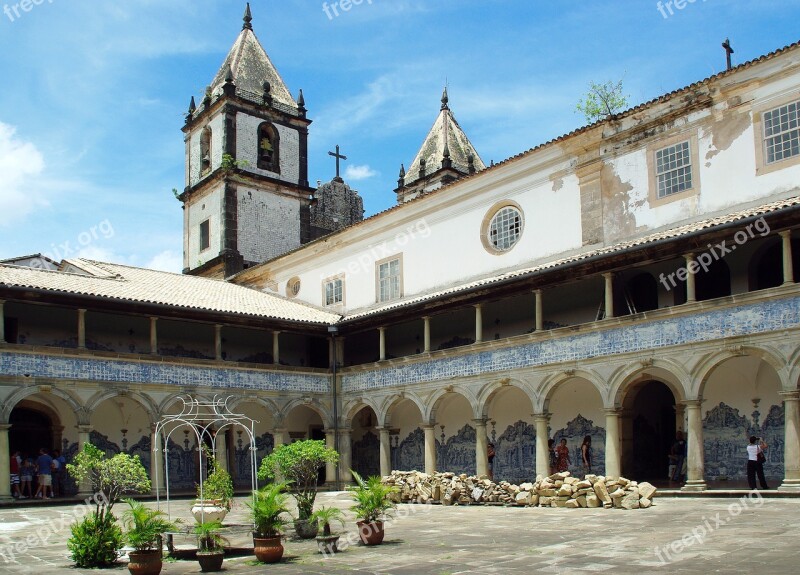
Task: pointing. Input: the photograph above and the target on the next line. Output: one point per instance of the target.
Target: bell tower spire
(247, 196)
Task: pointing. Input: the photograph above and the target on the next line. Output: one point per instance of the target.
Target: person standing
(562, 456)
(44, 463)
(27, 478)
(755, 462)
(551, 449)
(490, 454)
(678, 454)
(15, 459)
(59, 479)
(55, 469)
(586, 454)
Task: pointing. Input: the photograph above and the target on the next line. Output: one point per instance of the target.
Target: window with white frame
(389, 280)
(782, 132)
(505, 229)
(334, 291)
(674, 169)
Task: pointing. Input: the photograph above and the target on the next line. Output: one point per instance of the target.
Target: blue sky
(95, 92)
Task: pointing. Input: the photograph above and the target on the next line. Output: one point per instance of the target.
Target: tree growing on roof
(602, 101)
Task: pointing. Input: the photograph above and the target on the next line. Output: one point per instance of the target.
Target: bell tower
(247, 196)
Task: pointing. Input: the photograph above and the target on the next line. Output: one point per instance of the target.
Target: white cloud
(166, 261)
(357, 173)
(20, 164)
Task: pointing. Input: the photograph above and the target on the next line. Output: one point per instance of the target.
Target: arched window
(268, 148)
(205, 151)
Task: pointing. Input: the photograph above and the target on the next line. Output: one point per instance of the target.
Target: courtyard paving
(698, 535)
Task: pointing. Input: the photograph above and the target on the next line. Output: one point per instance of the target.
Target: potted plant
(372, 506)
(299, 463)
(267, 511)
(96, 539)
(210, 550)
(327, 543)
(143, 530)
(215, 494)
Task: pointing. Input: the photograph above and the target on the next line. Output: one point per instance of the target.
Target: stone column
(539, 312)
(218, 342)
(330, 468)
(613, 461)
(82, 329)
(542, 453)
(430, 449)
(427, 334)
(278, 437)
(691, 269)
(386, 451)
(791, 448)
(2, 321)
(221, 447)
(154, 335)
(85, 487)
(481, 448)
(478, 323)
(695, 468)
(276, 347)
(5, 464)
(609, 277)
(382, 344)
(345, 456)
(788, 265)
(680, 417)
(157, 463)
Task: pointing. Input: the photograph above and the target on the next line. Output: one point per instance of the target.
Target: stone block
(644, 503)
(630, 502)
(572, 504)
(601, 491)
(592, 501)
(581, 499)
(647, 490)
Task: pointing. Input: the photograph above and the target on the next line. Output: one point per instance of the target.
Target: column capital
(609, 275)
(480, 422)
(785, 234)
(278, 332)
(382, 328)
(790, 395)
(477, 305)
(84, 428)
(428, 426)
(612, 411)
(5, 427)
(81, 310)
(542, 416)
(689, 256)
(154, 318)
(383, 430)
(698, 403)
(537, 291)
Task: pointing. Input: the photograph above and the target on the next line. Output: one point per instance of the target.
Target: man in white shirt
(755, 462)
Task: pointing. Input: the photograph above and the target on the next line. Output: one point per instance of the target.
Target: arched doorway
(649, 426)
(365, 443)
(33, 427)
(766, 265)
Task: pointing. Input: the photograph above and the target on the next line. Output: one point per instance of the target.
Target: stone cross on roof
(338, 157)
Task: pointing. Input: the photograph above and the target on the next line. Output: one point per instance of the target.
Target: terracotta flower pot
(145, 562)
(268, 549)
(370, 533)
(210, 562)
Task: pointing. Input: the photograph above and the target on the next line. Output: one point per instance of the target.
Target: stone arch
(145, 401)
(434, 401)
(264, 402)
(554, 381)
(668, 372)
(492, 389)
(706, 366)
(80, 412)
(352, 407)
(312, 404)
(792, 381)
(386, 408)
(269, 148)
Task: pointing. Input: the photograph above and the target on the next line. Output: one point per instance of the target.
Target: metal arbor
(206, 419)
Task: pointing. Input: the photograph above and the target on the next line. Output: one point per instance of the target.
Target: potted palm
(215, 494)
(327, 542)
(299, 463)
(372, 506)
(143, 530)
(210, 550)
(268, 512)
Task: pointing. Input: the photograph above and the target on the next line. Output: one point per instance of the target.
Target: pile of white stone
(557, 490)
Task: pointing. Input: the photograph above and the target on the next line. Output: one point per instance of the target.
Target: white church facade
(626, 281)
